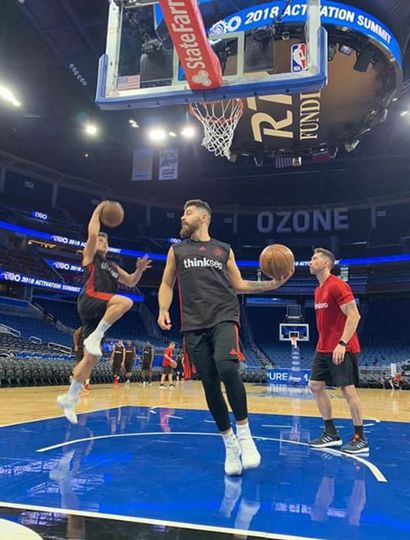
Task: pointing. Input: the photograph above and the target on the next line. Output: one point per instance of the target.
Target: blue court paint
(149, 466)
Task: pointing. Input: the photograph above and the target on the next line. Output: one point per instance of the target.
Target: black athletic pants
(215, 353)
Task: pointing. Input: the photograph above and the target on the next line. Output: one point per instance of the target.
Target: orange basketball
(173, 364)
(112, 214)
(277, 261)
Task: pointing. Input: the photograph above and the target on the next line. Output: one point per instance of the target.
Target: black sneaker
(326, 440)
(357, 445)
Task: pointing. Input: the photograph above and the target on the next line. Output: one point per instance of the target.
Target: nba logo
(299, 58)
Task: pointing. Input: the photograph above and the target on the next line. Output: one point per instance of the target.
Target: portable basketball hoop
(219, 120)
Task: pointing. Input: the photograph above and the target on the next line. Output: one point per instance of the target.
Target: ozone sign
(332, 13)
(303, 221)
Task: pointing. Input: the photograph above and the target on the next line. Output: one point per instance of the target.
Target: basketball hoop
(294, 341)
(219, 119)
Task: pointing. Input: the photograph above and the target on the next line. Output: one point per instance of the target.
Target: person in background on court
(336, 361)
(98, 305)
(209, 282)
(129, 361)
(147, 360)
(179, 370)
(78, 348)
(168, 364)
(398, 381)
(117, 360)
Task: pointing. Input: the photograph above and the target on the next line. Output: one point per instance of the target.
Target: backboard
(249, 38)
(298, 331)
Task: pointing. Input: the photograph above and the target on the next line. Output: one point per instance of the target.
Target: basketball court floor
(146, 462)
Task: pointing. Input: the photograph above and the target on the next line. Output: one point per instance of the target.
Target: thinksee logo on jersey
(202, 263)
(323, 305)
(108, 268)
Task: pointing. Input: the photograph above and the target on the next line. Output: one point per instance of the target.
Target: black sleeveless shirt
(101, 276)
(205, 291)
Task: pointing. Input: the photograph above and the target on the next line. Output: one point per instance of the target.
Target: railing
(35, 339)
(62, 348)
(8, 330)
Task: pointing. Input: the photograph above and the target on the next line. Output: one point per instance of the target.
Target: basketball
(112, 214)
(277, 261)
(173, 364)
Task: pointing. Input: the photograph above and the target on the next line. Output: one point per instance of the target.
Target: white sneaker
(233, 465)
(93, 346)
(68, 405)
(251, 458)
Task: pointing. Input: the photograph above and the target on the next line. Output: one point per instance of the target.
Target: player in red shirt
(336, 359)
(168, 365)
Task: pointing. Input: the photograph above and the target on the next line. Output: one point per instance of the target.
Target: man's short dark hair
(328, 254)
(199, 204)
(103, 235)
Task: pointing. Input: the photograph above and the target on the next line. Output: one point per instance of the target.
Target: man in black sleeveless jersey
(130, 357)
(147, 359)
(98, 305)
(209, 282)
(117, 360)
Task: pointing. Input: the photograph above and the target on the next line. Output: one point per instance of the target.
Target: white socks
(102, 327)
(242, 430)
(75, 389)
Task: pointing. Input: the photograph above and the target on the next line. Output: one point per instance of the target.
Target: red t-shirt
(330, 319)
(167, 353)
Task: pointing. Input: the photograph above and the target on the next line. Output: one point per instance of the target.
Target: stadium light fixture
(8, 96)
(91, 129)
(157, 135)
(188, 132)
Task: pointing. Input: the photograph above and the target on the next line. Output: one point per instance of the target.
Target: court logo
(299, 57)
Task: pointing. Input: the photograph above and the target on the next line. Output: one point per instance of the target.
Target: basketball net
(219, 119)
(294, 342)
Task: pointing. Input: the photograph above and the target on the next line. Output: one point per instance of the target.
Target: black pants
(215, 353)
(146, 372)
(116, 365)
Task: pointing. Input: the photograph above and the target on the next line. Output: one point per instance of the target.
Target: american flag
(283, 162)
(128, 82)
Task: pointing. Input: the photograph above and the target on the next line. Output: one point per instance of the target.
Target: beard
(187, 230)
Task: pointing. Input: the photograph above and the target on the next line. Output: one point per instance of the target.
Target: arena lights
(404, 113)
(91, 129)
(133, 124)
(8, 96)
(188, 132)
(76, 72)
(157, 135)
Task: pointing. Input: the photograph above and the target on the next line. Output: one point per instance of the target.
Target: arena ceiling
(40, 39)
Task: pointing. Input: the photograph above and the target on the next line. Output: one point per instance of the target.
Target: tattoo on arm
(257, 286)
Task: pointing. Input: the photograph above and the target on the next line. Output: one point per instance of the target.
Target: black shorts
(221, 342)
(91, 311)
(345, 374)
(129, 364)
(167, 370)
(146, 367)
